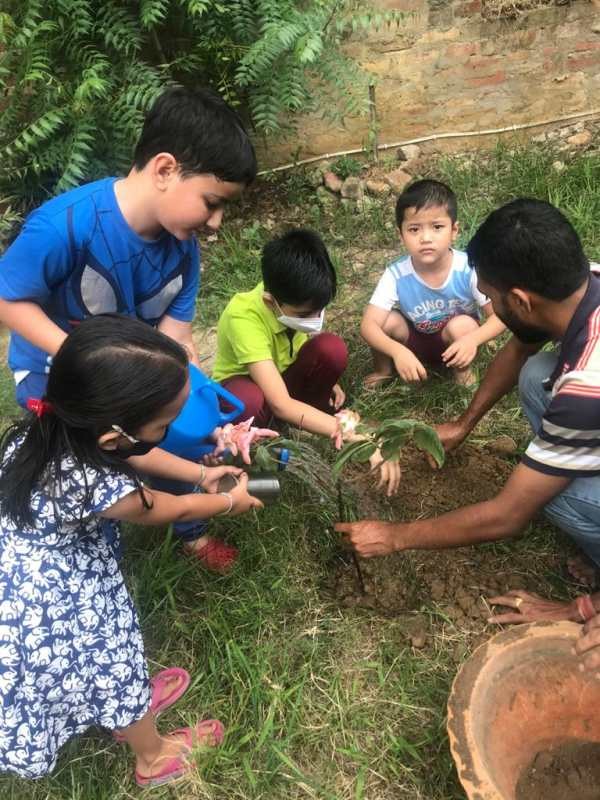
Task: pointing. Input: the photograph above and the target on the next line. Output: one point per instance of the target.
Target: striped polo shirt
(568, 442)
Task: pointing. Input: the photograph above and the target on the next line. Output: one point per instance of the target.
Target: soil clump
(568, 772)
(456, 581)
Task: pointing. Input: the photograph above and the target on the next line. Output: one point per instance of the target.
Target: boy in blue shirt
(127, 245)
(426, 306)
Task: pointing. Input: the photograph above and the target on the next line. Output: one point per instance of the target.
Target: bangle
(228, 509)
(585, 607)
(202, 475)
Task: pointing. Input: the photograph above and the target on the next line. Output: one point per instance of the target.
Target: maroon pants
(310, 379)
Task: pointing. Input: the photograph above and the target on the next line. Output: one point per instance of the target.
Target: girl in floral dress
(71, 651)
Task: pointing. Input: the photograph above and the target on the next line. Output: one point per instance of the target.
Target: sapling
(358, 440)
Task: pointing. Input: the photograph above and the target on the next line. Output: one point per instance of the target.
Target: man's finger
(506, 619)
(343, 527)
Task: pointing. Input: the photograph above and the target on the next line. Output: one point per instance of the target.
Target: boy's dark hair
(111, 370)
(424, 194)
(296, 269)
(529, 244)
(204, 134)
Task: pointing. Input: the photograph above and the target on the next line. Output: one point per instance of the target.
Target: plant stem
(342, 516)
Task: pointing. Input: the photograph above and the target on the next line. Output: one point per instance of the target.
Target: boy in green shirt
(271, 351)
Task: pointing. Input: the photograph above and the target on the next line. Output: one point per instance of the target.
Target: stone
(352, 189)
(580, 139)
(558, 166)
(332, 181)
(409, 152)
(503, 446)
(377, 188)
(596, 27)
(418, 640)
(397, 179)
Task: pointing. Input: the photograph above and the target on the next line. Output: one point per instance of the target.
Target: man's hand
(338, 397)
(588, 644)
(389, 473)
(408, 366)
(369, 537)
(529, 607)
(460, 353)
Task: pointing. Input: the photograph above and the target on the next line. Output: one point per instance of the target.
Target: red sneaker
(216, 556)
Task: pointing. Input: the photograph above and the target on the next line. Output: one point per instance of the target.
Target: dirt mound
(568, 772)
(456, 581)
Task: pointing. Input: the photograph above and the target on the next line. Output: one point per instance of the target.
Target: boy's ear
(108, 440)
(454, 230)
(269, 300)
(164, 169)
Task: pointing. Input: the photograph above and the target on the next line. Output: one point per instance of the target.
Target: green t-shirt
(249, 331)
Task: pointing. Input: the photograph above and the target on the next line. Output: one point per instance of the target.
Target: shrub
(79, 75)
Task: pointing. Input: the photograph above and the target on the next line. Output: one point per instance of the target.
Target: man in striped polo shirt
(530, 263)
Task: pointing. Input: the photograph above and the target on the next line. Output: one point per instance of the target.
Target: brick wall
(450, 69)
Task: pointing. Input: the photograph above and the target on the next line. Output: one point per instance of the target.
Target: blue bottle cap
(283, 458)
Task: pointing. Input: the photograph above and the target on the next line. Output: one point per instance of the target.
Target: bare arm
(501, 376)
(525, 493)
(166, 508)
(372, 330)
(492, 327)
(266, 375)
(28, 320)
(161, 464)
(182, 333)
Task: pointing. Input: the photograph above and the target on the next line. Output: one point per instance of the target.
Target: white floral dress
(71, 650)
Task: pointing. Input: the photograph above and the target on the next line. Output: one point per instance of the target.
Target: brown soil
(568, 772)
(454, 581)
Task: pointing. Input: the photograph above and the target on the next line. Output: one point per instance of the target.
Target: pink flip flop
(160, 701)
(176, 768)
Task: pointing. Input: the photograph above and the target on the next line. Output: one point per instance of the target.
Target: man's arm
(501, 376)
(525, 493)
(28, 320)
(182, 333)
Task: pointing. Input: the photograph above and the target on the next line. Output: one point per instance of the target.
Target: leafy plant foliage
(78, 75)
(390, 436)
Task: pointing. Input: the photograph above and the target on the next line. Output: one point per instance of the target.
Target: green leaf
(355, 451)
(427, 439)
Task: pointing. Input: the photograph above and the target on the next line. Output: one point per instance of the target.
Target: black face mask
(139, 448)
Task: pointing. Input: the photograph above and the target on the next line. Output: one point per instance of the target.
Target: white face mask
(304, 324)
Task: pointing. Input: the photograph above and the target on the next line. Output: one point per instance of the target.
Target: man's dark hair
(202, 132)
(424, 194)
(531, 245)
(296, 269)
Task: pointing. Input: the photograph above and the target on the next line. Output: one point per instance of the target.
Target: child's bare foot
(171, 760)
(583, 571)
(375, 379)
(465, 377)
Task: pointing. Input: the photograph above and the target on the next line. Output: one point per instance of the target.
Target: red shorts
(428, 347)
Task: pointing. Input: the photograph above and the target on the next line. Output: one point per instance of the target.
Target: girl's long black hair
(111, 370)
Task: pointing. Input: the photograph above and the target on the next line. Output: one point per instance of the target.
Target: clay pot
(519, 693)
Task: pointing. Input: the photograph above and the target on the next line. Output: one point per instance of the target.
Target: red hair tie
(39, 407)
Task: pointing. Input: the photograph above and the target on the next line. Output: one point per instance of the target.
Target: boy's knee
(249, 393)
(459, 326)
(330, 350)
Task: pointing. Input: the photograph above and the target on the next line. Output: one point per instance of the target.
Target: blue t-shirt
(76, 256)
(429, 308)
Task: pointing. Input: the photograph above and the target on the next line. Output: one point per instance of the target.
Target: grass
(319, 702)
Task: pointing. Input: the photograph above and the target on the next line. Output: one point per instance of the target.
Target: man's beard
(528, 334)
